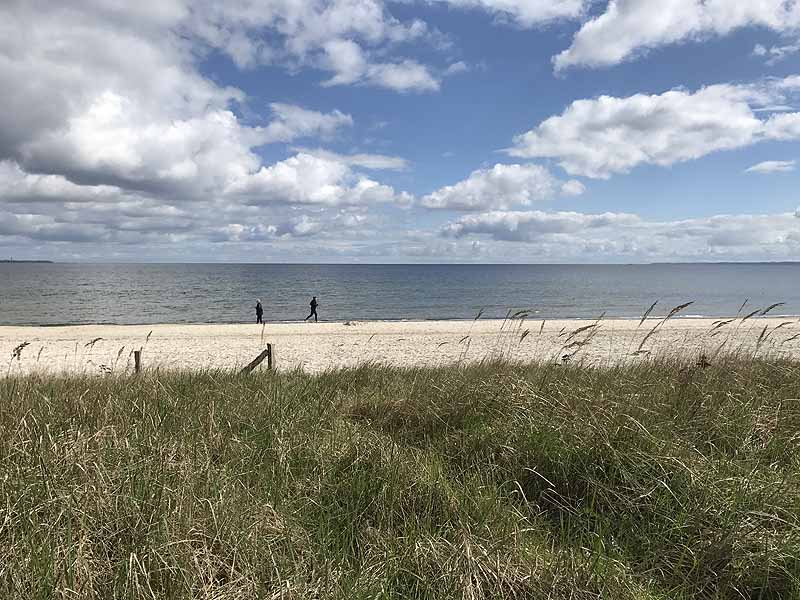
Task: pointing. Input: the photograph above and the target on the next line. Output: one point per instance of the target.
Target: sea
(68, 294)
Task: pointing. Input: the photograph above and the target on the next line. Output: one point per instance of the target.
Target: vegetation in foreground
(490, 481)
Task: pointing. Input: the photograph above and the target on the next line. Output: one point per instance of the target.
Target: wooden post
(137, 361)
(269, 354)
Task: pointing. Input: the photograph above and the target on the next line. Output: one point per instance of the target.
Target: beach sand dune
(316, 347)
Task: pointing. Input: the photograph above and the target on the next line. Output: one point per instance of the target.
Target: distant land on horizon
(11, 260)
(487, 264)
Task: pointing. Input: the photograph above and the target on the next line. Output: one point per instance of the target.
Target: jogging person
(313, 305)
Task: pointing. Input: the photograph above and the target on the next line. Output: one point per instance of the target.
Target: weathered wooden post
(137, 361)
(268, 353)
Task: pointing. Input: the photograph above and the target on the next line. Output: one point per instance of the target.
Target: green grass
(640, 482)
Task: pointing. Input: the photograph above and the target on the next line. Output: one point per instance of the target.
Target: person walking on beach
(259, 312)
(313, 305)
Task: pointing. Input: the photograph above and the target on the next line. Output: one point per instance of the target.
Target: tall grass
(649, 481)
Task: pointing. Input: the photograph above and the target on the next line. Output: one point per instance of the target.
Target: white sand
(319, 346)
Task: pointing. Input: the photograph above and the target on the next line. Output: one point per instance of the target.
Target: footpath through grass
(493, 481)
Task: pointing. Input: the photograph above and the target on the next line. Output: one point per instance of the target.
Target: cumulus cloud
(131, 143)
(309, 179)
(407, 75)
(629, 27)
(772, 166)
(607, 135)
(291, 122)
(20, 187)
(350, 65)
(526, 13)
(339, 36)
(626, 235)
(501, 187)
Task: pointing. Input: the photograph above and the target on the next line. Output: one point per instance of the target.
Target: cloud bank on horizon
(428, 130)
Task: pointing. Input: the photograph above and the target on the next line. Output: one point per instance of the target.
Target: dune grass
(647, 481)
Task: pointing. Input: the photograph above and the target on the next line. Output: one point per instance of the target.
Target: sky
(379, 131)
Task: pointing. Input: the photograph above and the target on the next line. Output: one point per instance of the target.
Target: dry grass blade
(17, 352)
(647, 337)
(761, 337)
(791, 339)
(678, 309)
(780, 326)
(647, 312)
(92, 343)
(541, 329)
(580, 330)
(751, 315)
(479, 315)
(717, 325)
(771, 307)
(741, 308)
(671, 314)
(524, 335)
(576, 344)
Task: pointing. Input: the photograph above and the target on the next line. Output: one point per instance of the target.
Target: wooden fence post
(137, 361)
(268, 353)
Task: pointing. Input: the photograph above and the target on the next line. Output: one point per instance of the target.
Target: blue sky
(410, 131)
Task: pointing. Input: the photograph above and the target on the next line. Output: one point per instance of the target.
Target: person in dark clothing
(313, 305)
(259, 311)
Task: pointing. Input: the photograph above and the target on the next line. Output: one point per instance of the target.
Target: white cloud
(630, 27)
(305, 179)
(407, 75)
(528, 226)
(783, 127)
(775, 54)
(607, 135)
(18, 186)
(457, 68)
(573, 188)
(291, 122)
(350, 65)
(501, 187)
(526, 13)
(622, 235)
(373, 162)
(115, 142)
(339, 36)
(129, 129)
(772, 166)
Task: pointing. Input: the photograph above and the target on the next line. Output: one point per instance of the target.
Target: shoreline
(316, 347)
(532, 318)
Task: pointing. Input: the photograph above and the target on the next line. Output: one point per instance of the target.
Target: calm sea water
(50, 294)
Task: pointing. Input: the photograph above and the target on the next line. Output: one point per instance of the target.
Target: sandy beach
(315, 347)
